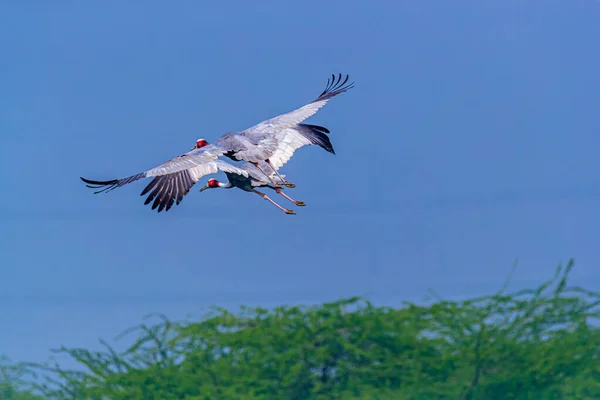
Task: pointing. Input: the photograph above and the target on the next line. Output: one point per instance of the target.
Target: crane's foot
(300, 204)
(289, 184)
(277, 185)
(291, 212)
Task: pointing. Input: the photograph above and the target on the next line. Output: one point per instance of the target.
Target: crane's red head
(201, 143)
(211, 184)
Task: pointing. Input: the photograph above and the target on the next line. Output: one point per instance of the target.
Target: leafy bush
(12, 384)
(531, 344)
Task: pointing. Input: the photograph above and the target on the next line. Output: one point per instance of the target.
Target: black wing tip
(328, 147)
(336, 86)
(316, 135)
(101, 183)
(105, 186)
(165, 191)
(318, 128)
(111, 184)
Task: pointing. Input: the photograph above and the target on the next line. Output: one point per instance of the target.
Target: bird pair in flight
(264, 148)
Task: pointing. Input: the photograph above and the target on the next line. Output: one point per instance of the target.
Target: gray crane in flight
(261, 142)
(249, 184)
(166, 188)
(270, 143)
(290, 140)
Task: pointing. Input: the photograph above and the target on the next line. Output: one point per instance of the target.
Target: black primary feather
(316, 136)
(112, 184)
(168, 190)
(334, 88)
(165, 190)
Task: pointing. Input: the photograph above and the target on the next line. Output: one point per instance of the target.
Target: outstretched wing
(191, 159)
(289, 120)
(173, 179)
(291, 139)
(169, 189)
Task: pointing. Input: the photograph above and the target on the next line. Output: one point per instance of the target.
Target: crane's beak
(204, 188)
(193, 148)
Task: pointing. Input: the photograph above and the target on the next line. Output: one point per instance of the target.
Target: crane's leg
(286, 183)
(277, 185)
(279, 191)
(264, 196)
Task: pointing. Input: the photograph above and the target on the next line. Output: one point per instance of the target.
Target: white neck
(227, 185)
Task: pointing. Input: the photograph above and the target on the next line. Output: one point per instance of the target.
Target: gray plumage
(254, 180)
(273, 142)
(289, 141)
(171, 181)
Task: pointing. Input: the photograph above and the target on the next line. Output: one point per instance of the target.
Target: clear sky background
(471, 139)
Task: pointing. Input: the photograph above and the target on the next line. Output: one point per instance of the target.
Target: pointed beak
(193, 148)
(203, 188)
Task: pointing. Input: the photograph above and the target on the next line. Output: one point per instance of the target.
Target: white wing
(191, 159)
(173, 179)
(170, 189)
(291, 139)
(293, 118)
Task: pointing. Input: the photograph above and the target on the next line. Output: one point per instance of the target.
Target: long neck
(227, 185)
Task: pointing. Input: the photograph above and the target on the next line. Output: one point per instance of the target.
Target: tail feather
(316, 135)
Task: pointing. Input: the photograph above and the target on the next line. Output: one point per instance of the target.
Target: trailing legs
(279, 191)
(264, 196)
(286, 183)
(277, 185)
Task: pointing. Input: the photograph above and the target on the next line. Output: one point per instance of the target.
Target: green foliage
(531, 344)
(12, 385)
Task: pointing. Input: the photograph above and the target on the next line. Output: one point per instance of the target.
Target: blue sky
(470, 139)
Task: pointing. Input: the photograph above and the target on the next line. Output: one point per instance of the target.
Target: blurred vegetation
(541, 343)
(13, 386)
